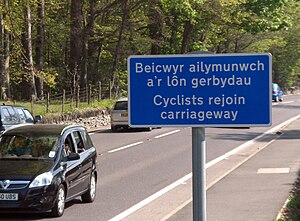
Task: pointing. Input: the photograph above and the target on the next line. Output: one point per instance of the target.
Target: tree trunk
(28, 60)
(4, 57)
(118, 46)
(40, 39)
(186, 37)
(76, 42)
(155, 28)
(85, 45)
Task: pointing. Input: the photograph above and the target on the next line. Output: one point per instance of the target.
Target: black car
(38, 174)
(15, 115)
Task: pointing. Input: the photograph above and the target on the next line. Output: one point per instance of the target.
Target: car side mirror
(38, 118)
(73, 156)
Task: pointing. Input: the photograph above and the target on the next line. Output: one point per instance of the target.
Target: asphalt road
(137, 165)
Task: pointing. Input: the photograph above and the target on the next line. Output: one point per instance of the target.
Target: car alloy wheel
(59, 206)
(90, 195)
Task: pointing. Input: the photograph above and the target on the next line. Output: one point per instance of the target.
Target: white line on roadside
(125, 147)
(189, 176)
(272, 130)
(152, 198)
(166, 134)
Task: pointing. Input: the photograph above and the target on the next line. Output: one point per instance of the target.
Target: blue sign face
(200, 90)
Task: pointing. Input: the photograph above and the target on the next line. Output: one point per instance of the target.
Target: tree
(125, 11)
(5, 54)
(76, 41)
(28, 57)
(40, 44)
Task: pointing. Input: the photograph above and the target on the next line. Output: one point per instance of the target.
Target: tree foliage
(82, 42)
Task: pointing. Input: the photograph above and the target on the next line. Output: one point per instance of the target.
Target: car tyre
(114, 129)
(59, 206)
(90, 195)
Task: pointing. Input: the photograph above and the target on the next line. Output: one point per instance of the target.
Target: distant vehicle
(15, 115)
(38, 173)
(119, 116)
(277, 93)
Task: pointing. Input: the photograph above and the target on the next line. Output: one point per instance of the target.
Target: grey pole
(199, 173)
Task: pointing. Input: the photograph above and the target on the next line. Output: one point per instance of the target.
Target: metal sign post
(199, 173)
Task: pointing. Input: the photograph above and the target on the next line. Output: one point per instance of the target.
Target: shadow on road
(17, 216)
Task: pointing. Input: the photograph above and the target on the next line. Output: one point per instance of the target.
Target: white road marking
(272, 170)
(189, 176)
(137, 143)
(151, 198)
(287, 102)
(166, 134)
(125, 147)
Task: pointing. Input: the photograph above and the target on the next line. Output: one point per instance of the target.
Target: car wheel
(90, 195)
(113, 129)
(59, 206)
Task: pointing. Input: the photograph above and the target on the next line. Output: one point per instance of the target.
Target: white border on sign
(201, 55)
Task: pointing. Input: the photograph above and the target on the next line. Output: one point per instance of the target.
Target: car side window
(22, 115)
(79, 142)
(28, 116)
(68, 145)
(87, 140)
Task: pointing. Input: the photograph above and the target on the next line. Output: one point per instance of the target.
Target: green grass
(292, 208)
(40, 107)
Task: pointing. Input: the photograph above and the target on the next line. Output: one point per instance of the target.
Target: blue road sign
(200, 90)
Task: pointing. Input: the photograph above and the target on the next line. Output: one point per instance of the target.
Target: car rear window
(121, 105)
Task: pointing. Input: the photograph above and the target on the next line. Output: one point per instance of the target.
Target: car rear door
(86, 157)
(73, 169)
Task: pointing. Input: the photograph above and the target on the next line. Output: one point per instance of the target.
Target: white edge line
(280, 213)
(244, 145)
(189, 176)
(125, 147)
(166, 134)
(151, 198)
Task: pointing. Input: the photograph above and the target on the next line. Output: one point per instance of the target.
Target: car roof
(40, 129)
(122, 99)
(13, 106)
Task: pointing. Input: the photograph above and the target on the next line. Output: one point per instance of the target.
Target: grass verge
(291, 212)
(40, 107)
